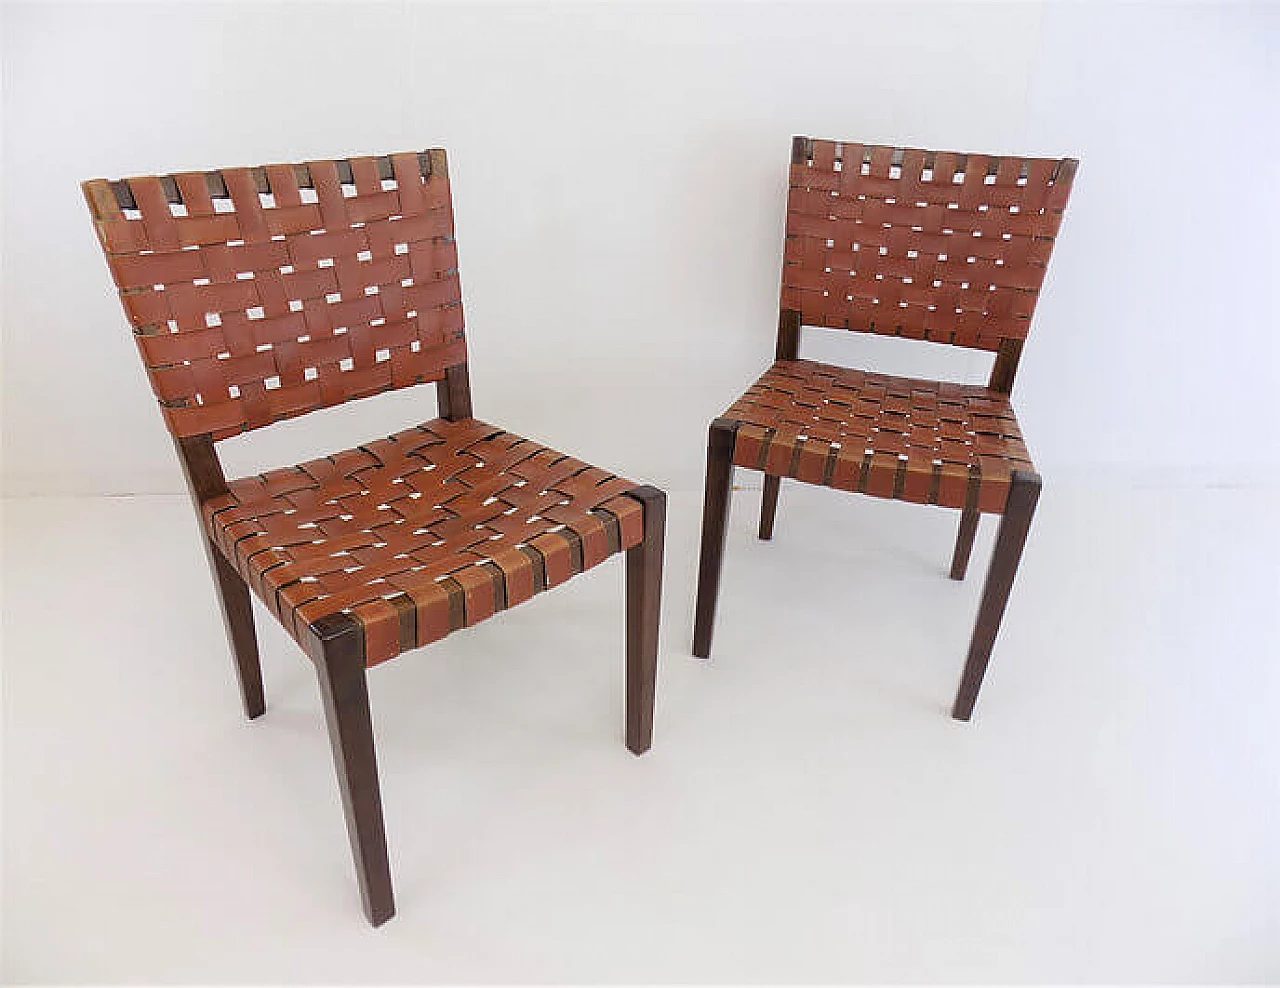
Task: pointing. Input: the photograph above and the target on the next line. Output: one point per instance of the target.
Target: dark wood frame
(336, 643)
(1015, 521)
(336, 646)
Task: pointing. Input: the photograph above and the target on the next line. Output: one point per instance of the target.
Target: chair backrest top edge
(430, 161)
(802, 150)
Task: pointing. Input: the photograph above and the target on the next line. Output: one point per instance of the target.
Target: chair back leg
(715, 514)
(964, 542)
(769, 505)
(237, 614)
(1024, 492)
(203, 473)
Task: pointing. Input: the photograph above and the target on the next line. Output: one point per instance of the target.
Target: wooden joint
(334, 638)
(1024, 491)
(1026, 480)
(654, 502)
(721, 437)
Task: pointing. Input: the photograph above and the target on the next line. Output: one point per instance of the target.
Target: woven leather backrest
(927, 245)
(258, 294)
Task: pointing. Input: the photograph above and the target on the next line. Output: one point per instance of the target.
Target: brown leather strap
(924, 441)
(927, 245)
(272, 297)
(417, 535)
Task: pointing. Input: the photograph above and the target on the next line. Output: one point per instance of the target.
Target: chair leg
(341, 669)
(715, 514)
(237, 613)
(769, 505)
(964, 542)
(1024, 491)
(644, 597)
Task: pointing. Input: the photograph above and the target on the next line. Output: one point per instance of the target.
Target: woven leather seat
(422, 533)
(925, 441)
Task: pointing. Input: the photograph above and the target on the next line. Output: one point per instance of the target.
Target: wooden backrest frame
(898, 226)
(178, 226)
(259, 294)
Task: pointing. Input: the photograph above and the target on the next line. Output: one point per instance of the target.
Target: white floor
(809, 812)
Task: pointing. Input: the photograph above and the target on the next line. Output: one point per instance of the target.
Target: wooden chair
(922, 245)
(258, 294)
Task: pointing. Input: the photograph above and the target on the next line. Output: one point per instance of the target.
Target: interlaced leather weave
(257, 294)
(925, 441)
(430, 530)
(920, 244)
(260, 294)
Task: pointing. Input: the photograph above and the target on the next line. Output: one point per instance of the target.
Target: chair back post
(788, 346)
(453, 394)
(1005, 368)
(453, 390)
(201, 467)
(788, 335)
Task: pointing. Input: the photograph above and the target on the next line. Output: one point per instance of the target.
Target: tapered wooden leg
(205, 480)
(964, 542)
(715, 514)
(1024, 491)
(339, 657)
(769, 505)
(237, 614)
(644, 597)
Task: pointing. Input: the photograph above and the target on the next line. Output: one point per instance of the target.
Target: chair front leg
(715, 514)
(769, 505)
(1024, 492)
(339, 656)
(964, 542)
(644, 598)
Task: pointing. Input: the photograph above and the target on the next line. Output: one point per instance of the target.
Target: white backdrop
(619, 174)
